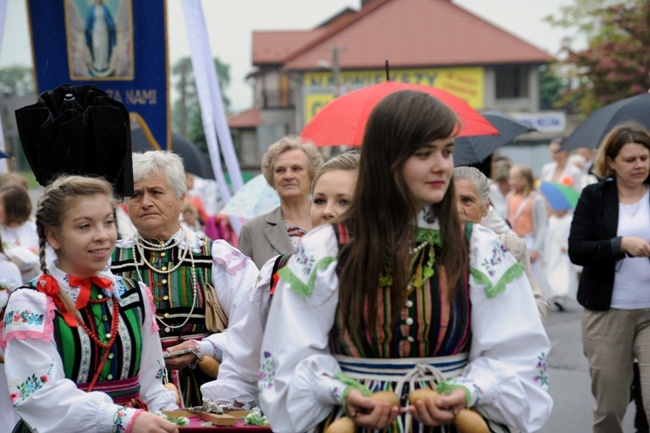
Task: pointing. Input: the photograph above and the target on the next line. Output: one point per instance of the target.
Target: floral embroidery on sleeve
(267, 372)
(498, 253)
(542, 370)
(26, 318)
(301, 271)
(119, 420)
(493, 272)
(160, 374)
(306, 262)
(19, 392)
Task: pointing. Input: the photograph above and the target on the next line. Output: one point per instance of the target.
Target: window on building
(511, 81)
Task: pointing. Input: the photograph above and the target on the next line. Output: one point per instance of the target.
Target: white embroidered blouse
(506, 376)
(38, 387)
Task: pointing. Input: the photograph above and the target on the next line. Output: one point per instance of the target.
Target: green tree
(616, 61)
(16, 80)
(551, 86)
(186, 113)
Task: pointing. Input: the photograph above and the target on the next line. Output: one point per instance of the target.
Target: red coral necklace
(114, 324)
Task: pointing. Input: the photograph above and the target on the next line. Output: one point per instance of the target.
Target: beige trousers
(611, 341)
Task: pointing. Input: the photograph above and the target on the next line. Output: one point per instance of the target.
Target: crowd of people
(381, 270)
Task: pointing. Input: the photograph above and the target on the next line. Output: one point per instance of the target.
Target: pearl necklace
(142, 244)
(417, 249)
(167, 246)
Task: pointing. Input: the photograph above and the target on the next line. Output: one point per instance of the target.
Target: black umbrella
(77, 130)
(474, 149)
(594, 128)
(194, 160)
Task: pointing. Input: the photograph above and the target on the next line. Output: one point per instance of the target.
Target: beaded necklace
(418, 248)
(112, 336)
(142, 244)
(114, 323)
(422, 260)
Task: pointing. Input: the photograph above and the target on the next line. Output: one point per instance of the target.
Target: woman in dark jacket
(609, 238)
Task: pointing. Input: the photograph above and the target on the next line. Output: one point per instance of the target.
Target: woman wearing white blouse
(609, 239)
(381, 300)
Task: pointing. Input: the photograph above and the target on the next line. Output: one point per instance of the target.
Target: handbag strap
(521, 207)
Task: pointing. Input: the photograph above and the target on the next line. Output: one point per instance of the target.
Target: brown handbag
(215, 319)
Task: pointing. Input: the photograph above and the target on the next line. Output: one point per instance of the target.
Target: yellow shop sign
(466, 83)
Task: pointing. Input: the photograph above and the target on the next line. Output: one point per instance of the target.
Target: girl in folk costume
(82, 351)
(398, 296)
(331, 192)
(527, 215)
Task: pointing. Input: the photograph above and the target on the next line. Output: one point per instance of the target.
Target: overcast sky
(231, 22)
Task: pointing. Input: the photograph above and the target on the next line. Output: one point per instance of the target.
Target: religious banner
(118, 45)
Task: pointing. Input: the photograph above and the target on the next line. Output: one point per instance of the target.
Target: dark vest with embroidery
(81, 356)
(173, 292)
(173, 299)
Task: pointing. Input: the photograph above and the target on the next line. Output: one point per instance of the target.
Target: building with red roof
(431, 42)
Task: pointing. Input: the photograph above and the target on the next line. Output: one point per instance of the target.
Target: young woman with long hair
(399, 295)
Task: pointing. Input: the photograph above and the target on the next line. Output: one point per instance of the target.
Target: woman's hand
(180, 362)
(635, 247)
(147, 422)
(366, 412)
(533, 256)
(441, 411)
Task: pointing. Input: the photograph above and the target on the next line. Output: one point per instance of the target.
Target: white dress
(24, 235)
(21, 246)
(504, 374)
(40, 391)
(561, 275)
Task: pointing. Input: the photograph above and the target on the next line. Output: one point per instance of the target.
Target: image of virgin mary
(101, 37)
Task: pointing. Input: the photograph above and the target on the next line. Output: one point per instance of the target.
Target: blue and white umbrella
(255, 198)
(4, 154)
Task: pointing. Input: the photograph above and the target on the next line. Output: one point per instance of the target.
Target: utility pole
(336, 71)
(184, 68)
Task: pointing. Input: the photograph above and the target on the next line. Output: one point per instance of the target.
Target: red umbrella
(343, 121)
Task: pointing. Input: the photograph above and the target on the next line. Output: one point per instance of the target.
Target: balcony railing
(277, 99)
(512, 102)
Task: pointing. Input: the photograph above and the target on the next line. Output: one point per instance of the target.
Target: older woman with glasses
(609, 239)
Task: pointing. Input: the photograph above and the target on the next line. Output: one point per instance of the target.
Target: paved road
(569, 376)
